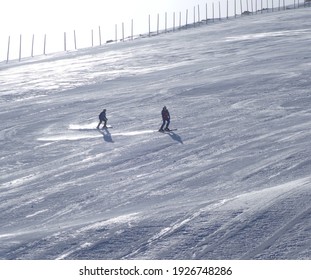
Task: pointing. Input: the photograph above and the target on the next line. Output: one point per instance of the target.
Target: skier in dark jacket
(102, 118)
(166, 119)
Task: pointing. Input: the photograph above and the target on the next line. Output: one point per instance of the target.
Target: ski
(164, 131)
(105, 127)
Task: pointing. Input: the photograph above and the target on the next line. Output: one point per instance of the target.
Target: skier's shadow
(175, 137)
(106, 134)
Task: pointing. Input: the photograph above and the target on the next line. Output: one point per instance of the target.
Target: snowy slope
(233, 182)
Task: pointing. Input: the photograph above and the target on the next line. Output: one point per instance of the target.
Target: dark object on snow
(102, 118)
(165, 118)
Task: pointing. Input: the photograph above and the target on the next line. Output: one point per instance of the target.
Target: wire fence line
(211, 12)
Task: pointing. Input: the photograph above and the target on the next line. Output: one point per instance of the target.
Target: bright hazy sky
(54, 17)
(18, 16)
(46, 15)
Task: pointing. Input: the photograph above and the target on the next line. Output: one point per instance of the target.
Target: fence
(211, 12)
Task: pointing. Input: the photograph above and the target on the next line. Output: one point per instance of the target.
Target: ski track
(233, 182)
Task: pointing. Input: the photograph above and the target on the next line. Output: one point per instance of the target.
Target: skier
(166, 119)
(102, 118)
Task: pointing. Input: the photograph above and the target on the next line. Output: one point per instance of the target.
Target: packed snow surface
(232, 182)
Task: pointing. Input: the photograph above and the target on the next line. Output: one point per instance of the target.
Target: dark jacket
(165, 114)
(102, 116)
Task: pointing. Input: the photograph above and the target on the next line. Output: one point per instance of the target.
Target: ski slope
(233, 182)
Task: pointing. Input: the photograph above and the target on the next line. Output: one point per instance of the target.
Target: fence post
(267, 6)
(241, 7)
(165, 22)
(20, 47)
(149, 25)
(179, 20)
(247, 6)
(194, 16)
(227, 9)
(116, 33)
(64, 41)
(186, 18)
(206, 12)
(213, 12)
(122, 31)
(44, 44)
(219, 11)
(100, 35)
(158, 23)
(32, 43)
(173, 21)
(8, 52)
(75, 39)
(199, 17)
(235, 8)
(132, 29)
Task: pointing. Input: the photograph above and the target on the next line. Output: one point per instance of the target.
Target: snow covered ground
(233, 182)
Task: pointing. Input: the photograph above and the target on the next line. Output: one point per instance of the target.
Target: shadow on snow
(106, 135)
(175, 137)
